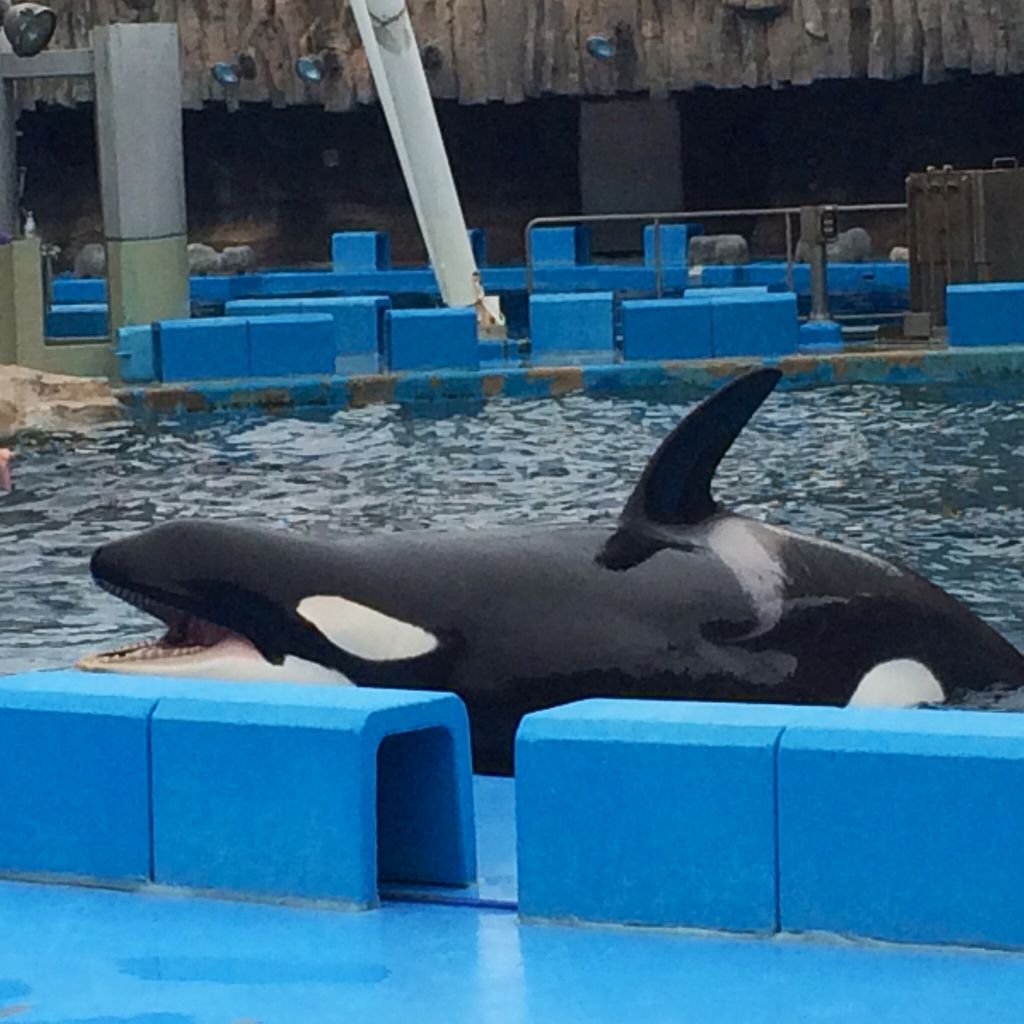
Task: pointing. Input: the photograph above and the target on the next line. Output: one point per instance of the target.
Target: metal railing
(657, 219)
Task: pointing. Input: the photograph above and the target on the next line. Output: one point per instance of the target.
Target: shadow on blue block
(85, 320)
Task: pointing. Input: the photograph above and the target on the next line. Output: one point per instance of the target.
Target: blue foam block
(560, 246)
(358, 324)
(80, 320)
(291, 343)
(429, 339)
(74, 785)
(761, 324)
(478, 244)
(134, 352)
(360, 250)
(666, 329)
(674, 243)
(904, 827)
(821, 336)
(200, 349)
(649, 812)
(304, 800)
(574, 323)
(985, 314)
(76, 290)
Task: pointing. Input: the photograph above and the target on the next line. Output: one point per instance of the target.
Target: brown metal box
(963, 226)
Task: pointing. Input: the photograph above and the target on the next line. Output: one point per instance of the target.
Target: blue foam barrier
(820, 336)
(578, 325)
(134, 353)
(985, 314)
(674, 243)
(358, 324)
(360, 251)
(761, 324)
(666, 329)
(559, 246)
(74, 784)
(76, 290)
(903, 825)
(290, 344)
(428, 339)
(78, 320)
(478, 244)
(307, 801)
(650, 812)
(205, 348)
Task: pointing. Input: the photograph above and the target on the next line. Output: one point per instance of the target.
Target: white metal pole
(398, 73)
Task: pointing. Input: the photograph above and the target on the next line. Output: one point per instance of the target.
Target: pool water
(922, 475)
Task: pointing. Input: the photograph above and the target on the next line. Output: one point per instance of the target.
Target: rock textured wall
(511, 50)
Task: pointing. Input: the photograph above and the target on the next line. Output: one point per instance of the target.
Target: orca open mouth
(186, 636)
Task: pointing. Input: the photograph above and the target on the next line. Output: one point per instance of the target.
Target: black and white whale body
(680, 600)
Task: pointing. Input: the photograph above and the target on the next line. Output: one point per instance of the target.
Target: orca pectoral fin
(675, 487)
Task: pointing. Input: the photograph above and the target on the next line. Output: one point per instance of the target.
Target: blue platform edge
(876, 823)
(214, 786)
(669, 379)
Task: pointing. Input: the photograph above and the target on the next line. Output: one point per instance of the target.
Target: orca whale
(679, 599)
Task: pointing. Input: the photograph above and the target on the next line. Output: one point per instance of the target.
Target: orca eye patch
(365, 632)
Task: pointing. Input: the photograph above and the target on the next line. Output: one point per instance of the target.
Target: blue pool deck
(91, 956)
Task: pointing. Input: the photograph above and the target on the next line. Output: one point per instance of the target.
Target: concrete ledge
(252, 790)
(879, 824)
(673, 380)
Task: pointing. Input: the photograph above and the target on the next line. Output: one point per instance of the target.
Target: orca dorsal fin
(675, 486)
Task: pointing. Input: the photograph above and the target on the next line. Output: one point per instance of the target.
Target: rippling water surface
(930, 478)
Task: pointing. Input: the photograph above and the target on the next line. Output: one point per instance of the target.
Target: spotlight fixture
(432, 58)
(229, 73)
(29, 27)
(315, 67)
(601, 47)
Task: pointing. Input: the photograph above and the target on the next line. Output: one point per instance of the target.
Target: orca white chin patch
(900, 683)
(365, 632)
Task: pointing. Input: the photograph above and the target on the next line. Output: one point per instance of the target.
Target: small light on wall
(315, 67)
(601, 47)
(432, 58)
(29, 27)
(229, 73)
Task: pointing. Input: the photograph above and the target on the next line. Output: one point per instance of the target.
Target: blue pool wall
(892, 825)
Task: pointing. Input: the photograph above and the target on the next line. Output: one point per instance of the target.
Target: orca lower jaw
(188, 638)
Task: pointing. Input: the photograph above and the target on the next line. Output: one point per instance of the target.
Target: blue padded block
(666, 329)
(293, 800)
(821, 336)
(985, 314)
(360, 250)
(74, 784)
(213, 288)
(202, 349)
(429, 339)
(650, 812)
(674, 243)
(724, 276)
(560, 246)
(478, 244)
(134, 352)
(75, 290)
(291, 344)
(581, 322)
(762, 324)
(906, 827)
(358, 324)
(79, 320)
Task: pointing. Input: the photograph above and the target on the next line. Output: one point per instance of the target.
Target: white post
(394, 60)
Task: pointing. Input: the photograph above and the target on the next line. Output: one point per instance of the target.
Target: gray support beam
(139, 131)
(48, 64)
(9, 218)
